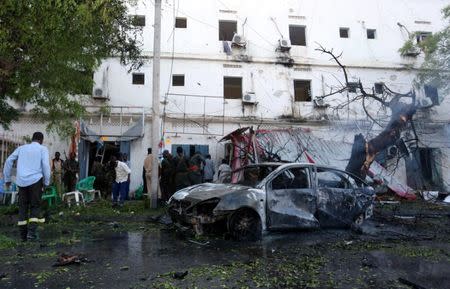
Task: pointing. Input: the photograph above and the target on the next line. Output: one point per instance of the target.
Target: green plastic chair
(139, 192)
(86, 186)
(50, 196)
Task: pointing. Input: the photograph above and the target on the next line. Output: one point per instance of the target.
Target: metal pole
(155, 104)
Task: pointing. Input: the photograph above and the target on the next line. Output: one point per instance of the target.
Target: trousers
(29, 209)
(119, 191)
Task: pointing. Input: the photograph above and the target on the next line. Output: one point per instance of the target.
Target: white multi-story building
(226, 64)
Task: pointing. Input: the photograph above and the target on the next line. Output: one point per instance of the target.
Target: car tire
(245, 225)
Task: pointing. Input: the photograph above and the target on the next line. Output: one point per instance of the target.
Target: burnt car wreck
(275, 196)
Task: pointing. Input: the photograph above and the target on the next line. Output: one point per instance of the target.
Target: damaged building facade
(228, 64)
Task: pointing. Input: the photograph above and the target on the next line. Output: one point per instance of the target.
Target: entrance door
(291, 201)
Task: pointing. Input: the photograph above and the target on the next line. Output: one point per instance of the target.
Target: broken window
(422, 36)
(379, 88)
(227, 29)
(371, 33)
(180, 22)
(432, 93)
(327, 178)
(297, 35)
(295, 178)
(178, 80)
(302, 90)
(138, 78)
(344, 32)
(352, 86)
(138, 20)
(232, 87)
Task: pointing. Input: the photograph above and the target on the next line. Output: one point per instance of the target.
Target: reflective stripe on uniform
(22, 223)
(36, 220)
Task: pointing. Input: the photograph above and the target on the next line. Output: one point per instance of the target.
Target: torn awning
(90, 133)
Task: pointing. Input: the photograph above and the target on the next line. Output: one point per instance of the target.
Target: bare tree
(402, 107)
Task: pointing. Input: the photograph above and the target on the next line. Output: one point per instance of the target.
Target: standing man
(70, 172)
(224, 172)
(147, 172)
(57, 168)
(208, 171)
(33, 172)
(181, 165)
(119, 189)
(166, 173)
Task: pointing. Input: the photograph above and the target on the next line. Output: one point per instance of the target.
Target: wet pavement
(384, 254)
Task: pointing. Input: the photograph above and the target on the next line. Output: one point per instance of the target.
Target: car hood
(198, 193)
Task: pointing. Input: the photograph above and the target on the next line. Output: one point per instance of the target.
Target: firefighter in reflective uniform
(33, 173)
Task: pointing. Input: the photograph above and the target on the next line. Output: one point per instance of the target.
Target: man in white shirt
(33, 172)
(119, 188)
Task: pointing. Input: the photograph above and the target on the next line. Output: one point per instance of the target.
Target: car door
(291, 201)
(337, 197)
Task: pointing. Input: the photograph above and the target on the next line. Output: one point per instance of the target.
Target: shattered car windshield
(251, 176)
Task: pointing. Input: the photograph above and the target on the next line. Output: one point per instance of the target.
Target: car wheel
(245, 225)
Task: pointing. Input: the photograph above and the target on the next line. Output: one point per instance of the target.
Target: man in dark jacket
(181, 165)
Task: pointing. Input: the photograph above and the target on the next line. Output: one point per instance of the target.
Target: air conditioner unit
(284, 45)
(249, 98)
(425, 102)
(413, 52)
(238, 40)
(98, 93)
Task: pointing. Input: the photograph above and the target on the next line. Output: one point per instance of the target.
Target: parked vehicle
(275, 196)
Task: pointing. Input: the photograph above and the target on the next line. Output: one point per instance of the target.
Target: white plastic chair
(77, 195)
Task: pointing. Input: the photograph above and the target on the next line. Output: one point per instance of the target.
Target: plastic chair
(86, 186)
(12, 191)
(138, 193)
(77, 195)
(50, 196)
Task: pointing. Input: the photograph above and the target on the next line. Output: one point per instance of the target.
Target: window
(297, 35)
(138, 20)
(178, 80)
(371, 33)
(327, 178)
(352, 86)
(227, 29)
(344, 32)
(139, 78)
(295, 178)
(232, 87)
(302, 90)
(432, 93)
(422, 36)
(180, 22)
(379, 87)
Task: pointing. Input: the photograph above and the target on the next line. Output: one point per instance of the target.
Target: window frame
(136, 18)
(227, 36)
(347, 30)
(371, 30)
(305, 169)
(178, 76)
(134, 79)
(291, 32)
(182, 21)
(309, 98)
(230, 78)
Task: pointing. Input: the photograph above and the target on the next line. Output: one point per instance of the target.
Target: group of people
(64, 173)
(178, 172)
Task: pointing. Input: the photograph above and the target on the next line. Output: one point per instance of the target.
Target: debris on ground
(3, 275)
(163, 219)
(180, 275)
(66, 259)
(124, 268)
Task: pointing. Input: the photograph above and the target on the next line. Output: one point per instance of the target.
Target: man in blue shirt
(33, 172)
